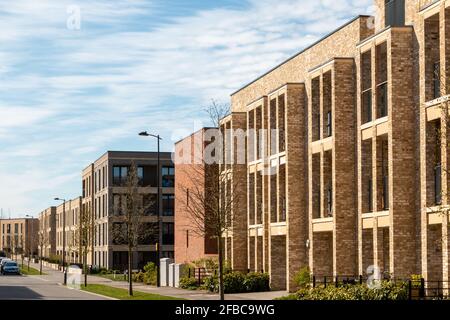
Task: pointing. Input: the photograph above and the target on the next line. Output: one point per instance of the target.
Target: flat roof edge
(302, 51)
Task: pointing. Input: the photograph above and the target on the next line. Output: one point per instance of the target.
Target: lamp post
(158, 244)
(30, 239)
(64, 239)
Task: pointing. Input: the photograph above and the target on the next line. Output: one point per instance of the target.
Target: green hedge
(189, 283)
(238, 282)
(387, 291)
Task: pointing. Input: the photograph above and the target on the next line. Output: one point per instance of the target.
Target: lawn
(110, 276)
(31, 272)
(122, 294)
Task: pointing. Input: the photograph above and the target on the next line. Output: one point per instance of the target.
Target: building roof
(302, 51)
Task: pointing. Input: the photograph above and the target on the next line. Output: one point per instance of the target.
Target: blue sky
(67, 96)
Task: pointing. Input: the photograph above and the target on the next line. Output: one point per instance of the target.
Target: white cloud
(82, 92)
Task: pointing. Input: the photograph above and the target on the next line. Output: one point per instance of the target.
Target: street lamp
(64, 238)
(158, 244)
(30, 239)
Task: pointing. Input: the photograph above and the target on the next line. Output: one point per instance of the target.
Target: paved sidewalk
(169, 291)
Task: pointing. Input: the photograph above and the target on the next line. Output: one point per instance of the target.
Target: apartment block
(347, 152)
(195, 195)
(47, 232)
(69, 227)
(104, 194)
(19, 236)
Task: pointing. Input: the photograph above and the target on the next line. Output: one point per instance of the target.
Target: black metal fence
(418, 289)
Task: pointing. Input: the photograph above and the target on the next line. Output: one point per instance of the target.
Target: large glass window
(168, 204)
(168, 177)
(395, 13)
(168, 233)
(120, 175)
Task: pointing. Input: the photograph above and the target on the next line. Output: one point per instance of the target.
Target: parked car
(3, 262)
(11, 267)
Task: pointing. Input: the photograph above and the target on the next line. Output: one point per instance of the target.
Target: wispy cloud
(68, 95)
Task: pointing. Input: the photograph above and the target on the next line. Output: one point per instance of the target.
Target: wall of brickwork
(296, 184)
(434, 253)
(278, 265)
(367, 250)
(321, 262)
(401, 154)
(344, 168)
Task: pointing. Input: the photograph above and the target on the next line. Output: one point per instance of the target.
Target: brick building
(19, 236)
(47, 232)
(104, 194)
(193, 183)
(355, 174)
(70, 230)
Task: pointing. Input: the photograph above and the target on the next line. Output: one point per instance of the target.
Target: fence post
(409, 290)
(189, 273)
(337, 282)
(422, 288)
(199, 279)
(360, 279)
(314, 281)
(325, 281)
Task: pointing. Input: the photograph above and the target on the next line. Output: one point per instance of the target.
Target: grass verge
(122, 294)
(117, 277)
(30, 272)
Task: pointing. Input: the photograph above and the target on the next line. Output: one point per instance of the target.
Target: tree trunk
(40, 263)
(221, 287)
(29, 258)
(130, 266)
(85, 268)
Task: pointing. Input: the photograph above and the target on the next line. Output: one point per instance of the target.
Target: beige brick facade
(357, 175)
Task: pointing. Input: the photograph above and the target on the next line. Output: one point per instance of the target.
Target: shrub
(211, 284)
(416, 281)
(257, 282)
(150, 274)
(233, 282)
(387, 291)
(189, 283)
(138, 277)
(303, 278)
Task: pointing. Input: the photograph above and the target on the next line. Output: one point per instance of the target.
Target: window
(120, 175)
(187, 238)
(394, 13)
(329, 128)
(168, 233)
(370, 195)
(385, 193)
(438, 184)
(168, 177)
(382, 100)
(330, 201)
(16, 228)
(140, 174)
(150, 204)
(119, 202)
(437, 80)
(168, 204)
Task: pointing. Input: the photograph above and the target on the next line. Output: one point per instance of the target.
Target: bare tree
(82, 236)
(34, 238)
(210, 195)
(43, 242)
(130, 227)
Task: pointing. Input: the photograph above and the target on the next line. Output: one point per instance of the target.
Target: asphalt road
(14, 287)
